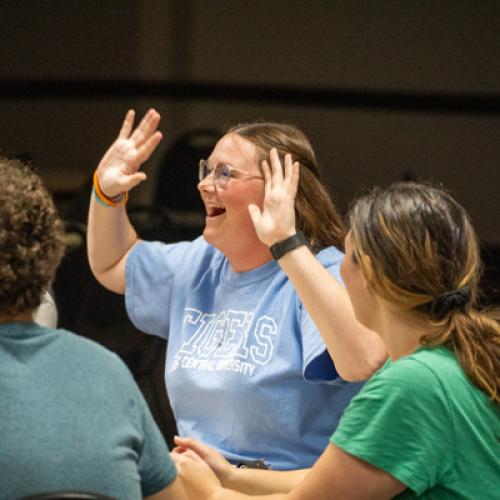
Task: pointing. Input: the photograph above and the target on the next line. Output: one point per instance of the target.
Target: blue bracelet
(99, 199)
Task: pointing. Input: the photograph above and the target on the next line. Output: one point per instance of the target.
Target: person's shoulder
(186, 251)
(423, 370)
(330, 256)
(88, 354)
(438, 361)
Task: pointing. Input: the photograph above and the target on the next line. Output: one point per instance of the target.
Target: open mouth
(215, 211)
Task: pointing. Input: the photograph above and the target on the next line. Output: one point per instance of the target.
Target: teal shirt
(421, 420)
(72, 417)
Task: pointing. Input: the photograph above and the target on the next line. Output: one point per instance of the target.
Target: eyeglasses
(223, 173)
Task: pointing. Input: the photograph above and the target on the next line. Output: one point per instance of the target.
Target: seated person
(426, 424)
(250, 364)
(71, 415)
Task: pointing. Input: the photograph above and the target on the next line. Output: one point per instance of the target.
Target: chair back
(68, 495)
(178, 172)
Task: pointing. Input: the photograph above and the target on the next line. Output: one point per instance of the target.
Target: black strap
(252, 464)
(282, 247)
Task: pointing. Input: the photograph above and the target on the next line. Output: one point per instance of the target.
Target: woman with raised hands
(247, 369)
(427, 423)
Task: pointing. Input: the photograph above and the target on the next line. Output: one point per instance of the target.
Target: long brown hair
(418, 249)
(316, 215)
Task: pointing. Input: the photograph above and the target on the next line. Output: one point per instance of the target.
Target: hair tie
(446, 302)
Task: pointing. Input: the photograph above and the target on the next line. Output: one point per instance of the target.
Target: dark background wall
(370, 48)
(386, 90)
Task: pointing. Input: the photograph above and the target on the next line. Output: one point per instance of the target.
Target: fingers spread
(288, 167)
(276, 169)
(145, 151)
(294, 179)
(146, 128)
(266, 170)
(127, 125)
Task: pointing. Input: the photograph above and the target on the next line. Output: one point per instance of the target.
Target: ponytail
(474, 337)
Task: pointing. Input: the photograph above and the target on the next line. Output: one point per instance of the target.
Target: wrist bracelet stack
(117, 201)
(283, 247)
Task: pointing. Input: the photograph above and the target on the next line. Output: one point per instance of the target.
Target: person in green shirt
(427, 424)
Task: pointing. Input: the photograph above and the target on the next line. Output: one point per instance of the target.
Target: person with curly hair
(427, 424)
(71, 415)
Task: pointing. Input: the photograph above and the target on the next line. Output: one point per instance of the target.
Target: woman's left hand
(276, 220)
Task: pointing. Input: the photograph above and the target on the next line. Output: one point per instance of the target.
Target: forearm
(227, 494)
(263, 482)
(110, 236)
(356, 351)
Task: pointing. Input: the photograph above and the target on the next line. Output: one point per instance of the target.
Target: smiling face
(228, 226)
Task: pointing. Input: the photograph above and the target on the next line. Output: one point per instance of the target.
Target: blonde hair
(316, 215)
(417, 249)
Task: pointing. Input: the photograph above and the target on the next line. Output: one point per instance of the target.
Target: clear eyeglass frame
(223, 173)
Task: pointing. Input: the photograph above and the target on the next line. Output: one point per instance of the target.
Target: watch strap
(283, 247)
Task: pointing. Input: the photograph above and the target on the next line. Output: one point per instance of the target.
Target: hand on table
(196, 476)
(216, 461)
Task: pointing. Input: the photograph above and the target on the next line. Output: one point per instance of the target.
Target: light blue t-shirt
(246, 370)
(72, 418)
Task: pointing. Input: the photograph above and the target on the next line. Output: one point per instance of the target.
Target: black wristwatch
(282, 247)
(253, 464)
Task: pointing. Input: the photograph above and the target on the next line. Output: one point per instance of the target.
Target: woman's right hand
(118, 170)
(219, 465)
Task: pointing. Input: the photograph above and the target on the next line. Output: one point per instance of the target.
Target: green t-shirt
(421, 420)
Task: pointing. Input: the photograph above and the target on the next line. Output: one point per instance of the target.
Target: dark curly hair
(31, 238)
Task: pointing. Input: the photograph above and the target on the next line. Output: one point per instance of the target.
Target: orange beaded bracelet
(117, 201)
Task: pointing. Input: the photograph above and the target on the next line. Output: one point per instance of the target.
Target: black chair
(178, 172)
(68, 495)
(176, 212)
